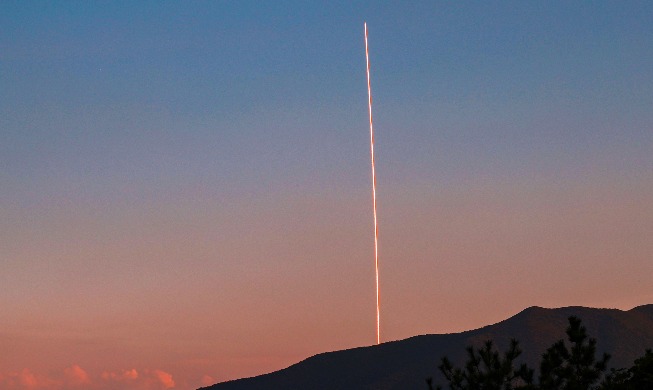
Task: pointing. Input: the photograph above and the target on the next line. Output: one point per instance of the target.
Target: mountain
(405, 364)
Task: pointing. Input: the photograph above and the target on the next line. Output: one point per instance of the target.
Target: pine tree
(638, 377)
(486, 369)
(575, 368)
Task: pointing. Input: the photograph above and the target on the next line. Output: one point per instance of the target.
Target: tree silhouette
(575, 368)
(639, 376)
(642, 372)
(487, 370)
(561, 368)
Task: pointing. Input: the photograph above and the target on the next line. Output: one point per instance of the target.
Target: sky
(185, 187)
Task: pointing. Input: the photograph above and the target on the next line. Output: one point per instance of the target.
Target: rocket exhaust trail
(376, 229)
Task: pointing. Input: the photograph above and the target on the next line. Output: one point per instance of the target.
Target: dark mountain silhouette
(405, 364)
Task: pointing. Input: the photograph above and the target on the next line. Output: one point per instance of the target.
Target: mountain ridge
(405, 364)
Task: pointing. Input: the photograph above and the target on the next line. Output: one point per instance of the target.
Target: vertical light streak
(376, 228)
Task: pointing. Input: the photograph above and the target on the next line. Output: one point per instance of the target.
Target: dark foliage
(639, 376)
(487, 369)
(575, 368)
(564, 366)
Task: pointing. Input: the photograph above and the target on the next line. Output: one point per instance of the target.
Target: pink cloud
(25, 379)
(208, 380)
(75, 377)
(131, 374)
(144, 380)
(165, 379)
(123, 376)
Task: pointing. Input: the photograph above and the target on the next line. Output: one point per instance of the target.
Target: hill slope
(406, 363)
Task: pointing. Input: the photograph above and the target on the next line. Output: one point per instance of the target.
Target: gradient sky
(185, 187)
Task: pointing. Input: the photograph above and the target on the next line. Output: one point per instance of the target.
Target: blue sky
(189, 89)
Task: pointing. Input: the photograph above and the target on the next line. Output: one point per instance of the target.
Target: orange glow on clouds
(75, 377)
